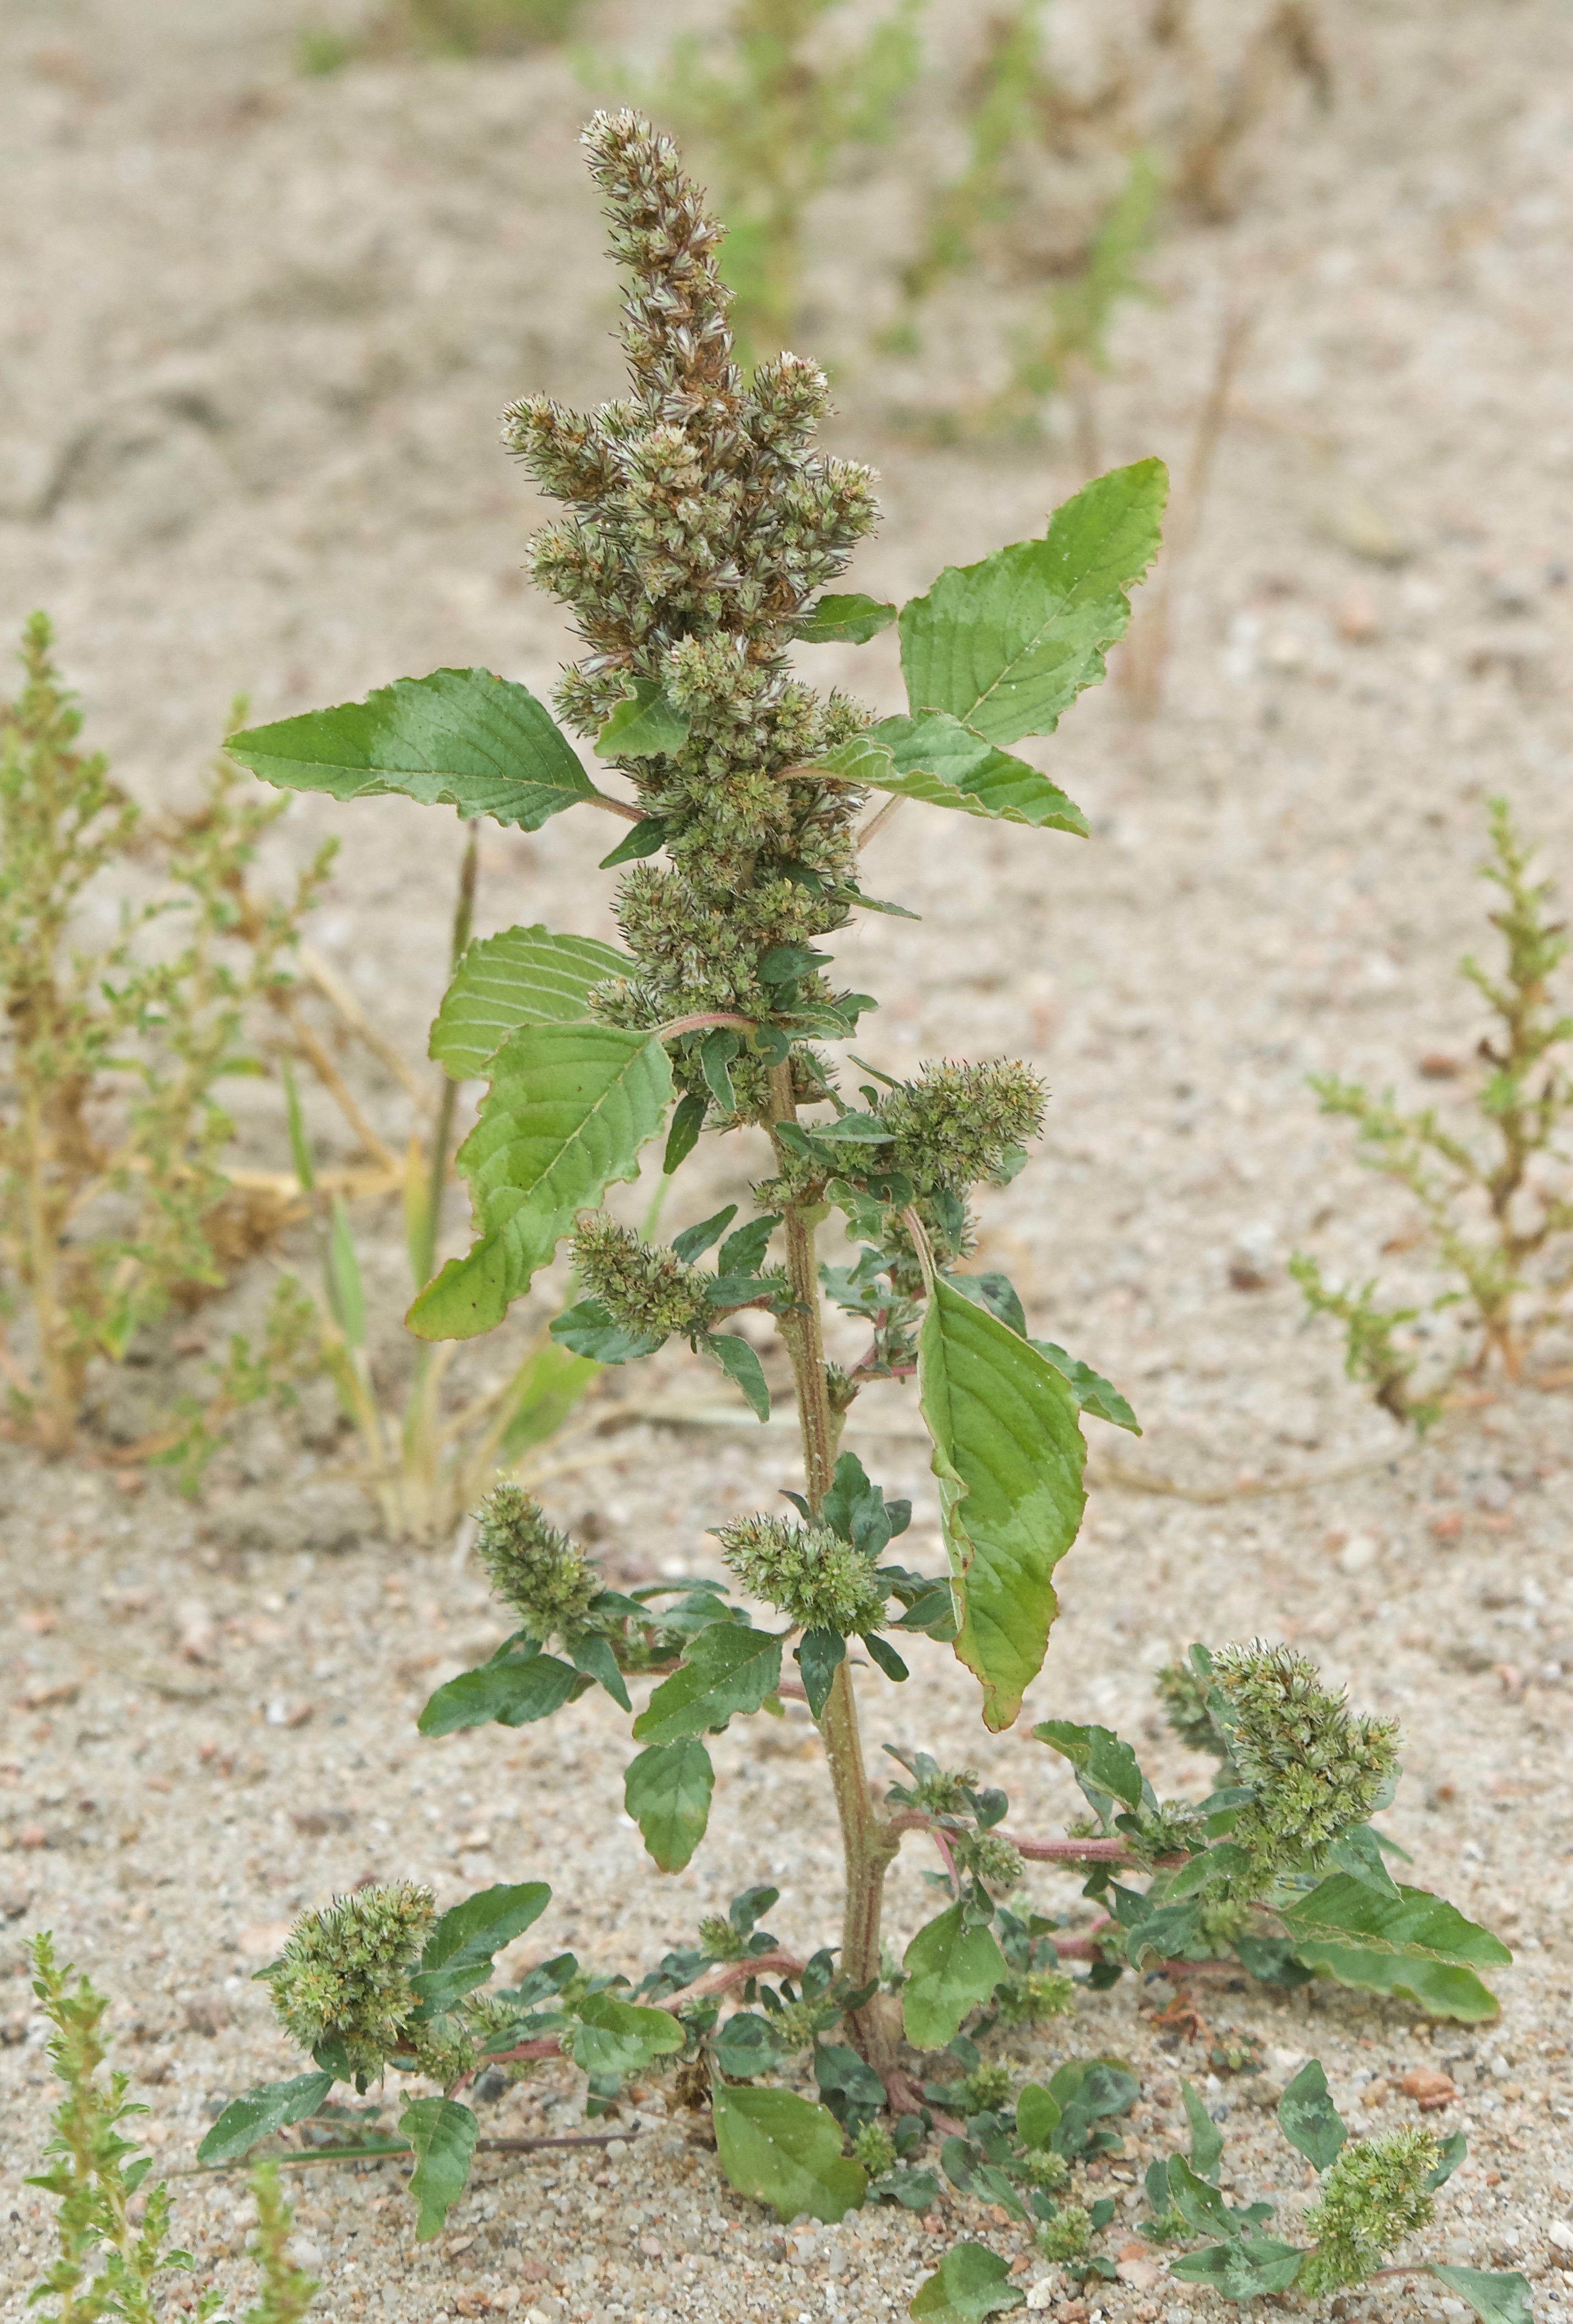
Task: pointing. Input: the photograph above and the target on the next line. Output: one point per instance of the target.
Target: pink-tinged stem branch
(946, 1858)
(614, 806)
(731, 1973)
(696, 1024)
(1070, 1851)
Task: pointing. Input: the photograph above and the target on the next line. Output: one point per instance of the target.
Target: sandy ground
(255, 334)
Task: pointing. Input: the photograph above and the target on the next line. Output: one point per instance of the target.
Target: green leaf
(616, 2037)
(1412, 1924)
(644, 725)
(1092, 1391)
(1243, 2269)
(1007, 1457)
(716, 1052)
(688, 1121)
(593, 1655)
(1441, 1988)
(935, 758)
(1496, 2299)
(969, 2282)
(950, 1968)
(742, 1368)
(589, 1331)
(885, 1657)
(525, 976)
(783, 2150)
(460, 738)
(457, 1955)
(513, 1692)
(568, 1110)
(1206, 2138)
(1037, 2116)
(646, 837)
(850, 619)
(270, 2107)
(443, 2135)
(346, 1293)
(746, 2045)
(1197, 2202)
(1309, 2119)
(695, 1240)
(1454, 2151)
(727, 1671)
(1099, 1757)
(667, 1791)
(818, 1655)
(1007, 644)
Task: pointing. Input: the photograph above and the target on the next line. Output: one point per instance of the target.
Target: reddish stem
(705, 1016)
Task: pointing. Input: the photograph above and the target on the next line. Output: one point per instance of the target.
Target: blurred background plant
(141, 969)
(1495, 1209)
(452, 28)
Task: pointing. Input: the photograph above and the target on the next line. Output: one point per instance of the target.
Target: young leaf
(716, 1052)
(995, 1291)
(1206, 2138)
(513, 1692)
(695, 1240)
(1496, 2298)
(645, 724)
(443, 2135)
(620, 2037)
(784, 2151)
(525, 976)
(885, 1657)
(969, 2282)
(1092, 1391)
(950, 1970)
(1007, 644)
(688, 1121)
(568, 1110)
(270, 2107)
(1412, 1924)
(460, 738)
(727, 1671)
(1309, 2119)
(1243, 2269)
(589, 1331)
(742, 1368)
(457, 1955)
(1101, 1760)
(1007, 1457)
(850, 619)
(1197, 2202)
(1454, 2151)
(818, 1655)
(935, 758)
(667, 1791)
(593, 1655)
(647, 836)
(1037, 2116)
(846, 2083)
(745, 2046)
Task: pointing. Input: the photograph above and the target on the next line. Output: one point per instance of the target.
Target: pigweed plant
(700, 535)
(112, 2237)
(1495, 1211)
(112, 1201)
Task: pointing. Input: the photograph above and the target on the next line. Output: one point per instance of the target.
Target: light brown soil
(257, 330)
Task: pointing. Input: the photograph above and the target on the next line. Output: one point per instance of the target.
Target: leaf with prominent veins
(525, 976)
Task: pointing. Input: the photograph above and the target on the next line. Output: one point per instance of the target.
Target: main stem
(868, 1843)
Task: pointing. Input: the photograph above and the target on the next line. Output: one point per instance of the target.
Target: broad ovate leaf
(970, 2281)
(443, 2134)
(460, 738)
(726, 1673)
(458, 1953)
(270, 2107)
(935, 758)
(1243, 2269)
(849, 619)
(621, 2037)
(1309, 2119)
(1007, 644)
(566, 1110)
(513, 1690)
(1412, 1924)
(1007, 1456)
(645, 724)
(783, 2150)
(525, 976)
(667, 1791)
(951, 1967)
(1496, 2296)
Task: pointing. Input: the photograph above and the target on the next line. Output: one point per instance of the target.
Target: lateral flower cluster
(540, 1573)
(344, 1975)
(809, 1574)
(644, 1287)
(1317, 1768)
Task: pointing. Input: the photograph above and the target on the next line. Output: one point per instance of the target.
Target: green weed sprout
(113, 1201)
(1496, 1210)
(112, 2230)
(1375, 2194)
(700, 543)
